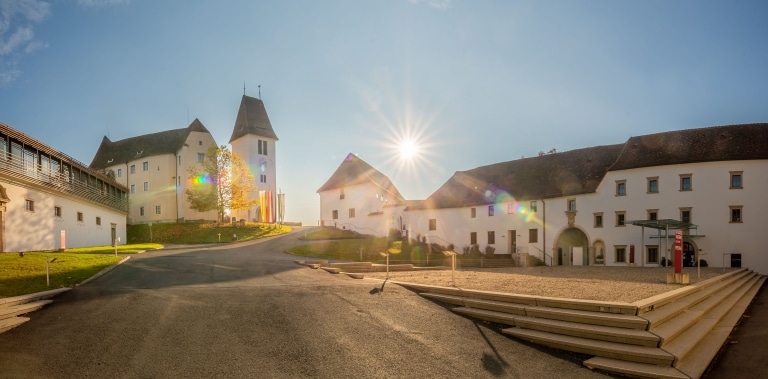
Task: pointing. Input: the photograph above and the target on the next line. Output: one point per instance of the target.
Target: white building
(155, 169)
(50, 201)
(254, 140)
(605, 205)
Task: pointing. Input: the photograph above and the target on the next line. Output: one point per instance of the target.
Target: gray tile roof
(717, 143)
(353, 171)
(167, 142)
(252, 119)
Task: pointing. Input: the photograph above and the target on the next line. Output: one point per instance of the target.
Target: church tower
(254, 140)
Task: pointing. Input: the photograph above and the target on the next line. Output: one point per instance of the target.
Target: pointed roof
(354, 170)
(542, 177)
(167, 142)
(252, 119)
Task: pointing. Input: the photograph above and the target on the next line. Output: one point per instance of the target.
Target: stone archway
(569, 239)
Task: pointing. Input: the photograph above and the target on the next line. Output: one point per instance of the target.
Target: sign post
(678, 251)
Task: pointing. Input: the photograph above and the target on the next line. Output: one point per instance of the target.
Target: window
(146, 186)
(158, 210)
(79, 216)
(133, 188)
(145, 166)
(599, 220)
(533, 235)
(98, 220)
(736, 180)
(133, 169)
(652, 254)
(262, 147)
(534, 207)
(263, 178)
(473, 212)
(199, 143)
(653, 185)
(200, 157)
(736, 213)
(685, 215)
(473, 238)
(653, 214)
(57, 211)
(621, 188)
(341, 193)
(432, 224)
(621, 253)
(179, 158)
(351, 212)
(490, 210)
(491, 237)
(29, 205)
(620, 218)
(119, 172)
(335, 215)
(571, 205)
(511, 208)
(686, 182)
(141, 211)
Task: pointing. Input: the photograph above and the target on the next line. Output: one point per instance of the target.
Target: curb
(104, 271)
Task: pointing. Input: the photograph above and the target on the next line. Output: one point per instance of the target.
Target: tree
(221, 182)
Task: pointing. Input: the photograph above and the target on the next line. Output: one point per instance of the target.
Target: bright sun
(408, 149)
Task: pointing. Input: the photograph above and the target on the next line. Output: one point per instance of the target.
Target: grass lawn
(23, 275)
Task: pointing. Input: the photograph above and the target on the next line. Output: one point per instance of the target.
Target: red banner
(678, 251)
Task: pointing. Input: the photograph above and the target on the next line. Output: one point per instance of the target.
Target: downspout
(176, 179)
(544, 230)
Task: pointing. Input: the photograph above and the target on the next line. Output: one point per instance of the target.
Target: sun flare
(408, 149)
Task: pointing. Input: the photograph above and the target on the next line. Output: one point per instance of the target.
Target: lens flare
(200, 179)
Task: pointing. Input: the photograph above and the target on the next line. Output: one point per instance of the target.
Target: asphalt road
(246, 310)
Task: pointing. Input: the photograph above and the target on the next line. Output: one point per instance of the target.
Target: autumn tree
(221, 182)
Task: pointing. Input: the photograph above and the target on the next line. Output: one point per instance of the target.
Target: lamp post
(452, 254)
(383, 254)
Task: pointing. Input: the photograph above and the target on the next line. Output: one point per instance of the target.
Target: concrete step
(392, 268)
(671, 327)
(353, 266)
(499, 306)
(696, 362)
(683, 343)
(596, 332)
(7, 324)
(486, 315)
(472, 294)
(18, 310)
(16, 300)
(632, 353)
(587, 317)
(634, 369)
(655, 302)
(661, 314)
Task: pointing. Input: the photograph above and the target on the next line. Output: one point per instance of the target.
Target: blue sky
(473, 82)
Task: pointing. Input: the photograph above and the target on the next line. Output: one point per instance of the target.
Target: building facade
(254, 140)
(616, 205)
(155, 169)
(50, 201)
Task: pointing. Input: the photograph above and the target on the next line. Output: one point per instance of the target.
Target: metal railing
(16, 167)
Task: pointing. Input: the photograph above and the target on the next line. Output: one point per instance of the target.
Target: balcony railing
(16, 167)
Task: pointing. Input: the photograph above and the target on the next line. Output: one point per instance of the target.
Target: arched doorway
(572, 240)
(689, 254)
(599, 252)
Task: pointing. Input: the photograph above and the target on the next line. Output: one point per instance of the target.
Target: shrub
(703, 263)
(490, 250)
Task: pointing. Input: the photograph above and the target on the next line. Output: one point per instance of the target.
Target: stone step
(499, 306)
(7, 324)
(587, 317)
(675, 325)
(632, 353)
(656, 302)
(353, 266)
(661, 314)
(696, 362)
(634, 369)
(596, 332)
(18, 310)
(473, 294)
(16, 300)
(486, 315)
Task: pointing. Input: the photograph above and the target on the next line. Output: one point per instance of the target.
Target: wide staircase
(13, 309)
(672, 335)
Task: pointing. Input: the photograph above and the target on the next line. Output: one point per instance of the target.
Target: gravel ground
(619, 284)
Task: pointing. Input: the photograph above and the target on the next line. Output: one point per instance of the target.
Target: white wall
(247, 147)
(41, 229)
(372, 215)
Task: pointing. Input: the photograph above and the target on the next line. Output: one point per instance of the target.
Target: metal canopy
(664, 224)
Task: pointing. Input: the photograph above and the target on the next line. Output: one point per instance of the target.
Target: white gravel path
(620, 284)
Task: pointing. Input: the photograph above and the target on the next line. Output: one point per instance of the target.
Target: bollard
(234, 237)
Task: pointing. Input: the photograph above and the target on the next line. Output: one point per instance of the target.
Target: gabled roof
(547, 176)
(252, 119)
(353, 171)
(717, 143)
(167, 142)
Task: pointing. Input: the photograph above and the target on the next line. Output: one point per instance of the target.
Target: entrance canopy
(669, 224)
